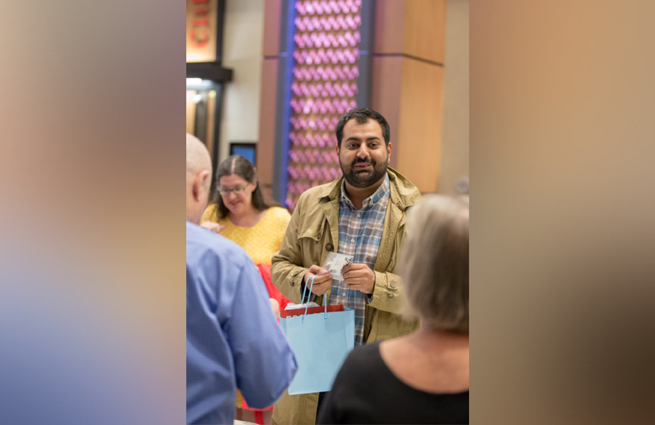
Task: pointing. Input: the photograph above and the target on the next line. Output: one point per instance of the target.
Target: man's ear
(201, 185)
(336, 149)
(389, 151)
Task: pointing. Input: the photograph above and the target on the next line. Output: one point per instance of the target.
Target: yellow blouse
(260, 241)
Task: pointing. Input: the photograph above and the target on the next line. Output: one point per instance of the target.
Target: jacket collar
(403, 193)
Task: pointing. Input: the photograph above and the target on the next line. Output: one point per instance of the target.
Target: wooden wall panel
(424, 29)
(268, 101)
(415, 28)
(386, 86)
(421, 120)
(272, 26)
(267, 111)
(408, 79)
(389, 24)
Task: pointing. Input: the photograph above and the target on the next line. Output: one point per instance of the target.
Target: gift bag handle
(310, 291)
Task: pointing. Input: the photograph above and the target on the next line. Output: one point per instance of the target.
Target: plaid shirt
(360, 234)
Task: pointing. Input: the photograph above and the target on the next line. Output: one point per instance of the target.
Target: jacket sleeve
(387, 294)
(287, 268)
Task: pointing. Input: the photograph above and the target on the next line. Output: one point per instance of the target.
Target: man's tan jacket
(312, 233)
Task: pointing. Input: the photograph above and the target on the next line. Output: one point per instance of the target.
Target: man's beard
(362, 179)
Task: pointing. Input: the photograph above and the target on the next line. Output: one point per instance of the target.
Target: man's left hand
(359, 277)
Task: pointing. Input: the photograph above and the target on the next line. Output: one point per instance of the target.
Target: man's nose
(362, 152)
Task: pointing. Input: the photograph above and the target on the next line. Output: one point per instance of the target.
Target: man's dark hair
(362, 115)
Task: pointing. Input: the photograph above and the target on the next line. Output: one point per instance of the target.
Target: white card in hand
(335, 262)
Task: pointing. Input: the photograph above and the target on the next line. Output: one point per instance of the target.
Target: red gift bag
(310, 310)
(273, 292)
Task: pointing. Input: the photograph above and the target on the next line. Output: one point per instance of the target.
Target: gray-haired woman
(422, 377)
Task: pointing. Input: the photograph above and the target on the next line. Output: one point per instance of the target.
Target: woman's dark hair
(236, 164)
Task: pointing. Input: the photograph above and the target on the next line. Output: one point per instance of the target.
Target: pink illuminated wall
(327, 35)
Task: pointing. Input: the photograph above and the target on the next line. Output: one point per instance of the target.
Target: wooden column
(268, 102)
(408, 80)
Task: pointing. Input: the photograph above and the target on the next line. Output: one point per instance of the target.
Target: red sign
(201, 19)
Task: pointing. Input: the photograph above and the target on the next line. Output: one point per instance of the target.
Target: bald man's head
(197, 156)
(198, 178)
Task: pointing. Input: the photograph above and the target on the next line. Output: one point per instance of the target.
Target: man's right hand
(322, 282)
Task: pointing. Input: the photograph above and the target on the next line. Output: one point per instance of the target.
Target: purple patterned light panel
(324, 87)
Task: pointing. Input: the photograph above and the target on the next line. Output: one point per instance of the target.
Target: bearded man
(360, 214)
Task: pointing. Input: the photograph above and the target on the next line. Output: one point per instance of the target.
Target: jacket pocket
(313, 230)
(315, 241)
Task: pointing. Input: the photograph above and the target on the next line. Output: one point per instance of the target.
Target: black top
(366, 392)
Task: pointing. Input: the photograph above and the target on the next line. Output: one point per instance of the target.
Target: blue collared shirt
(233, 339)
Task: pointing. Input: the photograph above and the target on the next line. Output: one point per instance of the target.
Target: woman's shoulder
(279, 211)
(364, 356)
(278, 214)
(361, 365)
(210, 213)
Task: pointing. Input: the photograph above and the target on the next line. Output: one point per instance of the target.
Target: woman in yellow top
(239, 212)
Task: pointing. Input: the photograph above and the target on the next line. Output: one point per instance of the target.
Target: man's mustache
(362, 160)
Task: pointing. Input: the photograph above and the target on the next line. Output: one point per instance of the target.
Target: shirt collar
(382, 191)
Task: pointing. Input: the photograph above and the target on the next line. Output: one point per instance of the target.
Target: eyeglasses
(236, 190)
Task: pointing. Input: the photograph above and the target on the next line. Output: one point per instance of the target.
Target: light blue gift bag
(321, 343)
